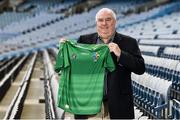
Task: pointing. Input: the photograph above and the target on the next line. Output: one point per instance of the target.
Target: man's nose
(104, 22)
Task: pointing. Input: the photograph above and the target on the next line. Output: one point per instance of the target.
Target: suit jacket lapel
(94, 38)
(116, 40)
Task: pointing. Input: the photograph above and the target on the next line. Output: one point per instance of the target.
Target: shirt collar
(99, 40)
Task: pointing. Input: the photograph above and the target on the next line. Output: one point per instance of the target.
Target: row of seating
(156, 28)
(33, 22)
(60, 8)
(175, 110)
(165, 43)
(167, 69)
(151, 95)
(39, 6)
(162, 63)
(66, 28)
(172, 53)
(149, 50)
(161, 51)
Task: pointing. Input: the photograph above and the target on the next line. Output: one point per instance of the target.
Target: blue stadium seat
(175, 115)
(151, 94)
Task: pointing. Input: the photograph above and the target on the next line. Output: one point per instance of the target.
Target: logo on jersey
(74, 56)
(95, 56)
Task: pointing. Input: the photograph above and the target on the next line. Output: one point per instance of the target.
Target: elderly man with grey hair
(127, 57)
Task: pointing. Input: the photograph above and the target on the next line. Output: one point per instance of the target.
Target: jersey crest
(95, 56)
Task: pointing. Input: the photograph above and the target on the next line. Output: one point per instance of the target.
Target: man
(127, 58)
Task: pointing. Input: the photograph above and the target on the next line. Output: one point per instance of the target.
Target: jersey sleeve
(109, 63)
(62, 60)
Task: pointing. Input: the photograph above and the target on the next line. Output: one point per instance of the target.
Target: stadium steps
(6, 101)
(34, 106)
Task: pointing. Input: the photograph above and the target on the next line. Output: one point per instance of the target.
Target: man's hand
(62, 40)
(113, 47)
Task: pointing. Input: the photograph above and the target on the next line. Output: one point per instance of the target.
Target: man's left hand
(113, 47)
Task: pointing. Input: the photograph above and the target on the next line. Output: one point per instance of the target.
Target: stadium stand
(29, 45)
(149, 50)
(172, 53)
(151, 95)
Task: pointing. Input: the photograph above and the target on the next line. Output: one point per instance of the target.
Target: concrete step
(9, 95)
(2, 114)
(33, 111)
(37, 73)
(36, 89)
(20, 77)
(34, 105)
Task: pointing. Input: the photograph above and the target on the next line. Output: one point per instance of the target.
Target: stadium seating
(151, 95)
(34, 36)
(172, 53)
(149, 50)
(175, 110)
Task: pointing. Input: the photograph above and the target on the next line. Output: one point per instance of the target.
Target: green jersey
(82, 69)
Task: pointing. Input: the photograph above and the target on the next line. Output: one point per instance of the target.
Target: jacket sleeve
(79, 40)
(132, 59)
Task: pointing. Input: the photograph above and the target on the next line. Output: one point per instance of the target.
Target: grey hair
(108, 10)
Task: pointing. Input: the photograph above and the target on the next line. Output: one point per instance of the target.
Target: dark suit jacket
(120, 98)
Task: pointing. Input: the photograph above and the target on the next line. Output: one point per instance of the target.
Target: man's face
(105, 25)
